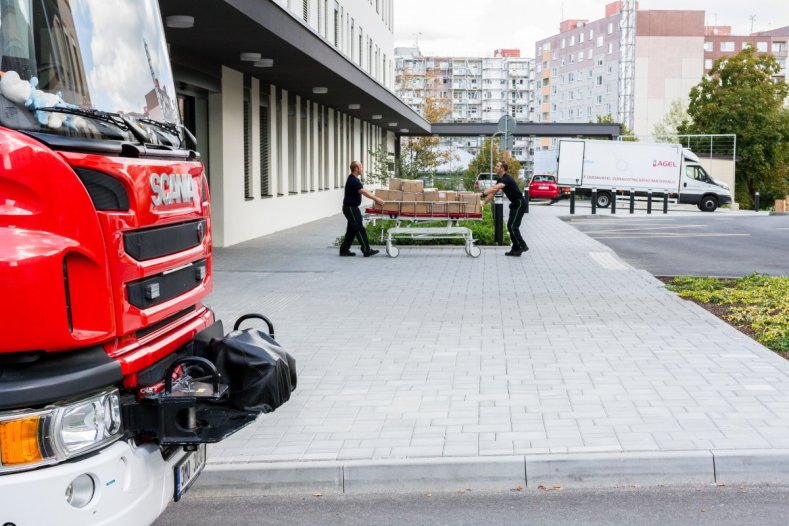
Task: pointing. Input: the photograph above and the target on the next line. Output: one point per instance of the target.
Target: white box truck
(613, 167)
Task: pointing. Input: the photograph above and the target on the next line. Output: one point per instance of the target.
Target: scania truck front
(105, 259)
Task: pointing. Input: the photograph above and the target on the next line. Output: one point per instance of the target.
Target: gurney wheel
(473, 251)
(392, 251)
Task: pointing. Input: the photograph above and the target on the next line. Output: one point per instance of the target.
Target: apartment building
(282, 96)
(719, 42)
(473, 89)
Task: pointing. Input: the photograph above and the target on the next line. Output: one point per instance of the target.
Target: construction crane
(627, 63)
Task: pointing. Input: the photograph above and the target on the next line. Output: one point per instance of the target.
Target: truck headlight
(30, 439)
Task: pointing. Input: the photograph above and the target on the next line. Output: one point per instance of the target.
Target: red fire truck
(113, 373)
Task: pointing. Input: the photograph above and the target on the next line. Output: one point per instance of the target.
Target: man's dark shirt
(510, 189)
(352, 195)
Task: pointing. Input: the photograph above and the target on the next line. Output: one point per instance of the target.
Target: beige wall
(720, 169)
(667, 67)
(236, 218)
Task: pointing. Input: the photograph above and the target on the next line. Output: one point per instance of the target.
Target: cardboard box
(430, 195)
(395, 184)
(450, 196)
(780, 205)
(438, 208)
(408, 197)
(395, 195)
(408, 208)
(473, 208)
(391, 206)
(422, 207)
(383, 194)
(469, 197)
(419, 197)
(456, 207)
(413, 186)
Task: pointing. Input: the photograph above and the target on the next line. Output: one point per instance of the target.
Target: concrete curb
(649, 468)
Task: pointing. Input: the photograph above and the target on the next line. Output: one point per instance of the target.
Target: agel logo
(665, 164)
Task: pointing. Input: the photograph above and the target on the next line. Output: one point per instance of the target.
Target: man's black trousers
(355, 228)
(514, 225)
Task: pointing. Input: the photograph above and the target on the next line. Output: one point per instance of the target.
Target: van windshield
(87, 68)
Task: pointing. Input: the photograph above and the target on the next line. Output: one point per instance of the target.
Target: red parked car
(543, 187)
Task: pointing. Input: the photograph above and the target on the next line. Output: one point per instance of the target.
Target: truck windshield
(103, 63)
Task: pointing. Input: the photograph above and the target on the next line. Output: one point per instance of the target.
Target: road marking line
(615, 230)
(669, 235)
(607, 261)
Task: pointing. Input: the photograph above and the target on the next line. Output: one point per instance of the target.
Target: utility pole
(753, 19)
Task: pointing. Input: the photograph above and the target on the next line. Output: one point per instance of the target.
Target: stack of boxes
(409, 197)
(782, 205)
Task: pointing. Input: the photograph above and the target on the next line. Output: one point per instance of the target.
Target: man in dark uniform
(354, 190)
(517, 207)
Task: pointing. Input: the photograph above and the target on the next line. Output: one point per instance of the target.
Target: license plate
(542, 187)
(187, 470)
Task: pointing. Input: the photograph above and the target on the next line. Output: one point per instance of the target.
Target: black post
(526, 197)
(756, 203)
(594, 201)
(665, 203)
(632, 200)
(649, 202)
(572, 200)
(498, 221)
(613, 201)
(397, 155)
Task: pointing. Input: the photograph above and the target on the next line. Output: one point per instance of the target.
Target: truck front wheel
(708, 203)
(603, 199)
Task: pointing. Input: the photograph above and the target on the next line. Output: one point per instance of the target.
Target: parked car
(543, 187)
(485, 181)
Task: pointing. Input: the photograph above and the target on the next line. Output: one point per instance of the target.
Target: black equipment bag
(258, 371)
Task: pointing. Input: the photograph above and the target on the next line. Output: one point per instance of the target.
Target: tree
(481, 163)
(626, 133)
(382, 168)
(422, 155)
(740, 95)
(676, 117)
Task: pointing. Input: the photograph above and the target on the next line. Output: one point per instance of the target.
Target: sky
(477, 27)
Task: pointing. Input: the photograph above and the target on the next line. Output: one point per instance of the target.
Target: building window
(727, 46)
(779, 47)
(563, 42)
(761, 47)
(265, 186)
(599, 41)
(610, 27)
(599, 80)
(247, 145)
(610, 48)
(336, 26)
(305, 10)
(572, 40)
(581, 38)
(591, 34)
(708, 46)
(707, 63)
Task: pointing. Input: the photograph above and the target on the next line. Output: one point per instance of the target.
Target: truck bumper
(133, 487)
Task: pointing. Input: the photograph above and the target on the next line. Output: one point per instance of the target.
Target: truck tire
(708, 203)
(603, 199)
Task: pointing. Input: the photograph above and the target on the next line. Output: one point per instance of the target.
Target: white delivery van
(616, 166)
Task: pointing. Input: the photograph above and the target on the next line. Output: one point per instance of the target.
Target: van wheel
(708, 203)
(603, 199)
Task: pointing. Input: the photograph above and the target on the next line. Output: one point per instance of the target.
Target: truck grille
(152, 243)
(162, 287)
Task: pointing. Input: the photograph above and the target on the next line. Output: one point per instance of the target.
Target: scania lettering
(114, 374)
(619, 166)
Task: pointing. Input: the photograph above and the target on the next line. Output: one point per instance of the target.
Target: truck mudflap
(217, 390)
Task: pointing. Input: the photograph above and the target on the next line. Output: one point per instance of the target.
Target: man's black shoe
(347, 254)
(525, 249)
(514, 253)
(370, 252)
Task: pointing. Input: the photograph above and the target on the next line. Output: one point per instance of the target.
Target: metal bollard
(756, 203)
(665, 203)
(632, 200)
(613, 201)
(649, 202)
(526, 197)
(572, 200)
(594, 201)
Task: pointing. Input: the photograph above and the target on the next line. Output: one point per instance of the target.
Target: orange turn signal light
(19, 441)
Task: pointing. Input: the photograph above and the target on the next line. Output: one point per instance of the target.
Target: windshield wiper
(174, 129)
(104, 116)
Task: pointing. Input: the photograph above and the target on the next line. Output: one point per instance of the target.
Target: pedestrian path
(437, 356)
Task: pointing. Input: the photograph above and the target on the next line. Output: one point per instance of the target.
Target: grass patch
(758, 305)
(483, 231)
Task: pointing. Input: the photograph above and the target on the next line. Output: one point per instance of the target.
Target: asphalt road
(719, 506)
(717, 244)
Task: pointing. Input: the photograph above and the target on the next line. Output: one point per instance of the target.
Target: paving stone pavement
(435, 354)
